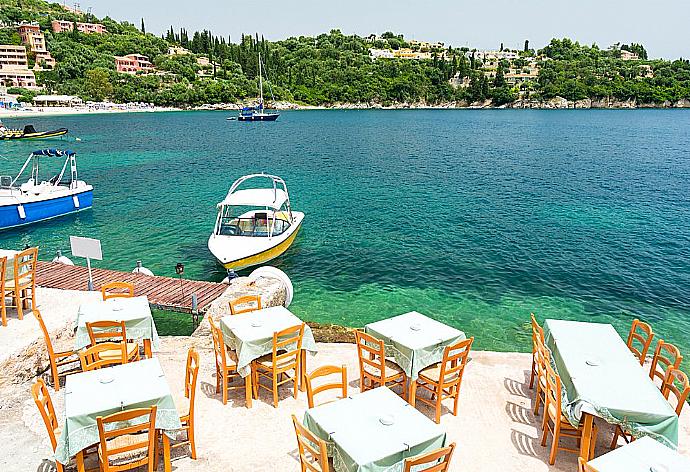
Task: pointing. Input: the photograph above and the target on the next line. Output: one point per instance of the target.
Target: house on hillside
(34, 39)
(14, 67)
(57, 101)
(133, 64)
(61, 26)
(178, 51)
(381, 54)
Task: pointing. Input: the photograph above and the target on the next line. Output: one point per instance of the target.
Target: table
(415, 341)
(641, 456)
(359, 442)
(250, 335)
(9, 270)
(601, 377)
(135, 312)
(134, 385)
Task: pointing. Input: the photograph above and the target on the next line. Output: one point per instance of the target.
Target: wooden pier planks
(163, 292)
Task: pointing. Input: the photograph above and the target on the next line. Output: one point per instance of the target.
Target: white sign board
(86, 247)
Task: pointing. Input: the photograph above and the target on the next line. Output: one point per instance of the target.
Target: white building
(381, 54)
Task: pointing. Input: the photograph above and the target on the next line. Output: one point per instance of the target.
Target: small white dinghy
(254, 224)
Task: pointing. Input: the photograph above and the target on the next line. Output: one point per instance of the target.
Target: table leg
(80, 461)
(147, 349)
(586, 441)
(248, 390)
(413, 392)
(303, 370)
(166, 453)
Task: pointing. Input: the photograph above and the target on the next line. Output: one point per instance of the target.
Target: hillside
(335, 68)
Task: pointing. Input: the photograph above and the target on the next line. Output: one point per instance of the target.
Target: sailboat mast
(261, 86)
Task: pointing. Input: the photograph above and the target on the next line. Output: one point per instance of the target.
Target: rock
(683, 103)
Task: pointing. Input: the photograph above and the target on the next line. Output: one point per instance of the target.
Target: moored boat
(29, 132)
(254, 225)
(259, 112)
(37, 200)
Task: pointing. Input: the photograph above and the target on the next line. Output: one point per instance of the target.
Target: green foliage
(97, 84)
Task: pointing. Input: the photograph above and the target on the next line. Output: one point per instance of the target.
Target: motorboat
(29, 132)
(255, 222)
(23, 203)
(259, 112)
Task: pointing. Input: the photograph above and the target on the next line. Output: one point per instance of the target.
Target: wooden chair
(112, 331)
(277, 364)
(312, 450)
(117, 290)
(444, 379)
(666, 357)
(41, 396)
(643, 334)
(537, 332)
(186, 408)
(556, 423)
(374, 367)
(22, 287)
(674, 377)
(3, 304)
(434, 461)
(103, 355)
(245, 304)
(543, 360)
(226, 367)
(57, 359)
(584, 467)
(325, 371)
(128, 447)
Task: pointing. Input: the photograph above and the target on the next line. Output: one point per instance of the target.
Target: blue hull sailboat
(258, 113)
(36, 200)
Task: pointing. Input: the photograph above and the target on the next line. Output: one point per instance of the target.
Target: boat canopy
(265, 197)
(53, 153)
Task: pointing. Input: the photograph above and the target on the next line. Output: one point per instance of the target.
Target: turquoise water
(474, 217)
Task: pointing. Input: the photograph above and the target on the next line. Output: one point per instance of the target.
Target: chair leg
(19, 301)
(554, 445)
(537, 400)
(275, 391)
(437, 418)
(217, 379)
(457, 397)
(248, 390)
(532, 374)
(297, 374)
(190, 436)
(225, 388)
(4, 311)
(544, 430)
(413, 393)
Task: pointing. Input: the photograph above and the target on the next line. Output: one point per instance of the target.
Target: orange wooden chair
(226, 367)
(112, 331)
(643, 334)
(186, 406)
(583, 466)
(374, 367)
(556, 423)
(117, 290)
(434, 461)
(92, 358)
(324, 371)
(666, 357)
(537, 332)
(675, 377)
(245, 304)
(57, 358)
(277, 364)
(543, 360)
(444, 379)
(22, 287)
(125, 447)
(312, 450)
(3, 304)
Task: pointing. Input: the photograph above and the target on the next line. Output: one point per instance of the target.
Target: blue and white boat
(38, 200)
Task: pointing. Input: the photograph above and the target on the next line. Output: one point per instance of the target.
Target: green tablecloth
(359, 442)
(139, 384)
(414, 340)
(598, 371)
(641, 456)
(250, 334)
(135, 312)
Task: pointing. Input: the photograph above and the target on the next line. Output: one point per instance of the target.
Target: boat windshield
(260, 225)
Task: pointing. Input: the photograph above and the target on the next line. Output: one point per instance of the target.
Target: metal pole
(88, 265)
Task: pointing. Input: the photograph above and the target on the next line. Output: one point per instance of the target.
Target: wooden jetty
(166, 293)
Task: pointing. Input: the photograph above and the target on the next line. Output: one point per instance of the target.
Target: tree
(526, 45)
(143, 27)
(97, 84)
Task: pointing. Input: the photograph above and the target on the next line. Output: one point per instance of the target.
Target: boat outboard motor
(29, 129)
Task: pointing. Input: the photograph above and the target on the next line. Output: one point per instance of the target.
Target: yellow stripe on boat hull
(263, 256)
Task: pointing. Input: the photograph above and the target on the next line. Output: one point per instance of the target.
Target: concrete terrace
(495, 429)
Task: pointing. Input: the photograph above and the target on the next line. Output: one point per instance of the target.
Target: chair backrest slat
(434, 461)
(91, 358)
(106, 330)
(218, 344)
(117, 290)
(191, 375)
(289, 340)
(455, 359)
(111, 426)
(25, 265)
(245, 304)
(643, 334)
(322, 372)
(312, 449)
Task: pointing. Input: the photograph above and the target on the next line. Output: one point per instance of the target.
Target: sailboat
(258, 113)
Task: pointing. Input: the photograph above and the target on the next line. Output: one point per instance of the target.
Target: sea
(474, 217)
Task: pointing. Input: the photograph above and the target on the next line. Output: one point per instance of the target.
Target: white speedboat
(254, 224)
